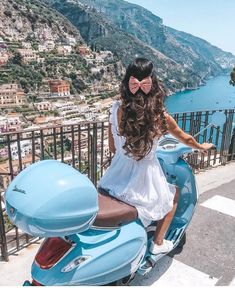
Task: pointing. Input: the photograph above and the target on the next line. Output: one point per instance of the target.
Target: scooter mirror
(218, 118)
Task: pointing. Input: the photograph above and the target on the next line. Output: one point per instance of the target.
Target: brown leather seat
(113, 212)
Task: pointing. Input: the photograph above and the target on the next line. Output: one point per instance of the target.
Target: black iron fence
(85, 147)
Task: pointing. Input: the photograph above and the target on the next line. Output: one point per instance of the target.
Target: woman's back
(119, 141)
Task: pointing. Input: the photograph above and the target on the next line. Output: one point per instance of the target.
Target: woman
(135, 176)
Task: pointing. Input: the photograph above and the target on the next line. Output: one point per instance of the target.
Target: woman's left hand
(205, 147)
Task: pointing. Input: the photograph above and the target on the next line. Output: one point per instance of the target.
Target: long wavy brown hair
(143, 117)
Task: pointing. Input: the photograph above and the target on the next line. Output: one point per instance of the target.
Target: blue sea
(217, 94)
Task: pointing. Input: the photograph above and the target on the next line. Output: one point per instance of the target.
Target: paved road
(208, 257)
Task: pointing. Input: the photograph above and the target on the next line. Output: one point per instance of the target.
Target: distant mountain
(182, 61)
(188, 50)
(99, 31)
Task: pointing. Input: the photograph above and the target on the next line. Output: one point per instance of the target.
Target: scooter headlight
(75, 263)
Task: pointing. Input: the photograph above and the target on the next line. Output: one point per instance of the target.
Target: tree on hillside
(17, 59)
(232, 75)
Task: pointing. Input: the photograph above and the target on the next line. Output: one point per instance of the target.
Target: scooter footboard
(97, 257)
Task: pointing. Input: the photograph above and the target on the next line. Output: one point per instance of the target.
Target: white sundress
(142, 183)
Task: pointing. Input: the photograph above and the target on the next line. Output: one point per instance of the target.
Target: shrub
(8, 13)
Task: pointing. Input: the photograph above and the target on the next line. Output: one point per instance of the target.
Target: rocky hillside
(192, 52)
(34, 28)
(101, 33)
(24, 20)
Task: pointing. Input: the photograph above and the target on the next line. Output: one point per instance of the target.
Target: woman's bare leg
(164, 223)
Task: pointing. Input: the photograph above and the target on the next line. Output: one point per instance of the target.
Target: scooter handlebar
(170, 149)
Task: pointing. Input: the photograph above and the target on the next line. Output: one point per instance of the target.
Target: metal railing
(85, 147)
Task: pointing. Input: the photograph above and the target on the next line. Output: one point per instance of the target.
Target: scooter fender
(110, 256)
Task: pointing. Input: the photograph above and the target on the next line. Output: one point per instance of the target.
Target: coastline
(216, 94)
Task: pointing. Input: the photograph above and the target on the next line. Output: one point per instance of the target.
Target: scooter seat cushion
(113, 212)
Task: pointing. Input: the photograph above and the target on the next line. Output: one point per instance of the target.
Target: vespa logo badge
(16, 189)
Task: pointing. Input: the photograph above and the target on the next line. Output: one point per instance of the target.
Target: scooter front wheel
(182, 241)
(124, 281)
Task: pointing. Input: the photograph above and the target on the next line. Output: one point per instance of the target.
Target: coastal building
(97, 106)
(43, 106)
(26, 45)
(10, 124)
(106, 103)
(11, 95)
(46, 46)
(4, 57)
(69, 110)
(28, 54)
(40, 120)
(71, 41)
(50, 44)
(42, 48)
(40, 60)
(59, 88)
(45, 34)
(84, 50)
(64, 50)
(102, 56)
(25, 149)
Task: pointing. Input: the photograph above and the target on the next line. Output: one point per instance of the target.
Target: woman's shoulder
(115, 104)
(113, 110)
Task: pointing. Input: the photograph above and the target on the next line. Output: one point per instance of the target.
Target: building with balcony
(28, 54)
(11, 95)
(43, 106)
(10, 124)
(59, 88)
(70, 110)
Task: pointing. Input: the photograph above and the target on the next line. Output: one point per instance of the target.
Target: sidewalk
(183, 269)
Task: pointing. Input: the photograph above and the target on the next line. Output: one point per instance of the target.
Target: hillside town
(56, 103)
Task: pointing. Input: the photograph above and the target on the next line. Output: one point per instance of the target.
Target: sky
(208, 19)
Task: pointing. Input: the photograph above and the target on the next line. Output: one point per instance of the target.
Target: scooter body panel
(112, 255)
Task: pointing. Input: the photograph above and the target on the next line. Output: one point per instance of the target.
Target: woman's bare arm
(185, 138)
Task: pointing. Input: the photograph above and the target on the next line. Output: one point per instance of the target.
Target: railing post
(3, 241)
(227, 131)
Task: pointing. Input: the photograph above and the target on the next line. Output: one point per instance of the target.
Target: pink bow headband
(145, 85)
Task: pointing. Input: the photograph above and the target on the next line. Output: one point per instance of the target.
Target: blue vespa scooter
(92, 238)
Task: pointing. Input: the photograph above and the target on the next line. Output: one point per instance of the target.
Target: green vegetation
(30, 75)
(232, 75)
(106, 95)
